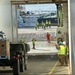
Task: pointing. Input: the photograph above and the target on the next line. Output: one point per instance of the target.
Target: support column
(59, 14)
(14, 23)
(65, 21)
(71, 20)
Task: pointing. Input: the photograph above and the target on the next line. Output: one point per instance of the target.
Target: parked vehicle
(14, 55)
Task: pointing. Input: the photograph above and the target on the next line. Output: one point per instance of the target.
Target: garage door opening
(28, 16)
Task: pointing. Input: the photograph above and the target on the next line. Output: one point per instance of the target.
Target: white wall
(5, 19)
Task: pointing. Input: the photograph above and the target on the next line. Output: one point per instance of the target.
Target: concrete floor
(43, 48)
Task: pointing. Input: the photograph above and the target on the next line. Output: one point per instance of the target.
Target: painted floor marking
(53, 68)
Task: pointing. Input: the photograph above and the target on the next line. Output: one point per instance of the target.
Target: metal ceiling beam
(37, 1)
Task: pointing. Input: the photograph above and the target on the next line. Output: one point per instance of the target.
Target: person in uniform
(37, 25)
(33, 43)
(61, 53)
(47, 24)
(48, 37)
(22, 40)
(66, 53)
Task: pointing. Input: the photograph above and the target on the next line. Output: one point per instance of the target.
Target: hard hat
(60, 43)
(64, 43)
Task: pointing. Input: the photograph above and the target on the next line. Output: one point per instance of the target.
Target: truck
(14, 55)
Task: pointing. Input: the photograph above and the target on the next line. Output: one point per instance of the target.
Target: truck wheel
(16, 67)
(25, 67)
(22, 65)
(25, 62)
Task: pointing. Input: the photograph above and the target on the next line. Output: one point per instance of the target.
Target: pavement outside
(43, 48)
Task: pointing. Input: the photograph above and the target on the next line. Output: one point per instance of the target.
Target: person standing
(43, 25)
(33, 43)
(37, 25)
(61, 53)
(47, 23)
(48, 37)
(22, 40)
(66, 53)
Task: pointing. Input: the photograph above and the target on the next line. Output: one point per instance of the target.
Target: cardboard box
(4, 49)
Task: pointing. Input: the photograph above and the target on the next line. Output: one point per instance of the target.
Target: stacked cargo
(4, 49)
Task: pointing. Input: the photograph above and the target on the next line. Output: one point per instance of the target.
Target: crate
(4, 49)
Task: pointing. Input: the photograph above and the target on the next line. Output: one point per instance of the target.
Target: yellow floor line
(69, 70)
(53, 68)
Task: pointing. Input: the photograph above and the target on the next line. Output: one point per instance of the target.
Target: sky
(40, 7)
